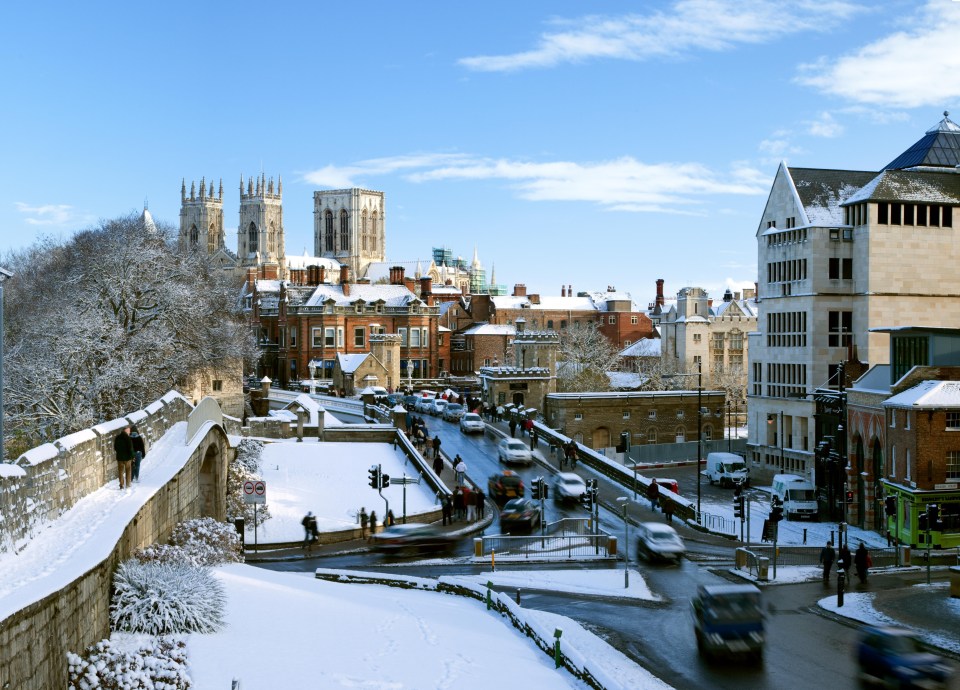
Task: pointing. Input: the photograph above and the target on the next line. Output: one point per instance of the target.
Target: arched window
(328, 230)
(252, 238)
(374, 232)
(364, 230)
(680, 435)
(194, 236)
(213, 237)
(344, 231)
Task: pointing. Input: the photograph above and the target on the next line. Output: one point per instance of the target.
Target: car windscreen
(516, 445)
(801, 495)
(734, 466)
(740, 607)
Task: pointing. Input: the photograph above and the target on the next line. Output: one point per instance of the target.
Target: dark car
(394, 399)
(412, 537)
(895, 657)
(504, 486)
(519, 514)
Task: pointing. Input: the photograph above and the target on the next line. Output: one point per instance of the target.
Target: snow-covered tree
(103, 323)
(243, 468)
(166, 598)
(200, 542)
(151, 663)
(585, 357)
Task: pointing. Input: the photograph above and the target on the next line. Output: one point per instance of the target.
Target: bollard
(477, 547)
(493, 560)
(518, 595)
(804, 536)
(489, 597)
(556, 646)
(841, 577)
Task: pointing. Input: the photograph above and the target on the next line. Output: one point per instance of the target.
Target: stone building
(597, 419)
(842, 254)
(532, 376)
(349, 225)
(379, 367)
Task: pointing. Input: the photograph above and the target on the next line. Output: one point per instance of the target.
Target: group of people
(465, 504)
(130, 450)
(860, 560)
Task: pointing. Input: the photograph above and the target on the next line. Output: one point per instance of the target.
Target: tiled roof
(823, 191)
(939, 147)
(911, 186)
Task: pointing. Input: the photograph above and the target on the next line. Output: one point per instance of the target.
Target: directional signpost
(255, 492)
(404, 480)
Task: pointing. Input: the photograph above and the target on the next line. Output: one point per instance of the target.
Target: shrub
(165, 598)
(243, 468)
(200, 542)
(152, 663)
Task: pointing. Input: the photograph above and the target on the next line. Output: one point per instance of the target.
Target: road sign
(255, 492)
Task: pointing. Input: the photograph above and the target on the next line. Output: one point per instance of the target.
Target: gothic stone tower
(260, 233)
(201, 217)
(349, 225)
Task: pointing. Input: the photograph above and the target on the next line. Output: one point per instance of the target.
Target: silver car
(656, 540)
(514, 451)
(471, 423)
(568, 486)
(453, 411)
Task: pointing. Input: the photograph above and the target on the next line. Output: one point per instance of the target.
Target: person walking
(668, 510)
(480, 500)
(844, 561)
(307, 532)
(373, 523)
(139, 452)
(499, 412)
(513, 428)
(653, 494)
(123, 447)
(861, 561)
(390, 520)
(447, 509)
(461, 467)
(437, 465)
(436, 446)
(827, 557)
(363, 523)
(571, 451)
(469, 504)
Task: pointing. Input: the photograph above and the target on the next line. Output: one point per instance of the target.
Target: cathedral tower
(260, 233)
(349, 225)
(201, 217)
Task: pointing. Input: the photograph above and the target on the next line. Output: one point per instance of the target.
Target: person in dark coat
(845, 560)
(447, 509)
(373, 523)
(481, 502)
(668, 510)
(436, 446)
(307, 520)
(653, 493)
(139, 451)
(827, 557)
(438, 465)
(457, 504)
(390, 520)
(513, 428)
(861, 561)
(363, 523)
(123, 447)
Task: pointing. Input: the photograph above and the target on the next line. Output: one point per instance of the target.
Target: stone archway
(518, 399)
(861, 482)
(209, 501)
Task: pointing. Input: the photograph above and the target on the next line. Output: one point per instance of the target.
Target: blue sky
(592, 144)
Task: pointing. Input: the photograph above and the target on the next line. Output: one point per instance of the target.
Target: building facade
(349, 225)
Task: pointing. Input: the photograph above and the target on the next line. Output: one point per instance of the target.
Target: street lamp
(623, 500)
(4, 274)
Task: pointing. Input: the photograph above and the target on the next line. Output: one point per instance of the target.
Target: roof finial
(946, 113)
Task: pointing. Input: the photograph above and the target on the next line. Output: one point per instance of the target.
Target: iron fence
(566, 538)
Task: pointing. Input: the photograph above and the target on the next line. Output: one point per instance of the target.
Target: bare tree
(108, 321)
(585, 357)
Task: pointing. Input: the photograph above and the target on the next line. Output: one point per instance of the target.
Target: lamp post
(623, 500)
(4, 274)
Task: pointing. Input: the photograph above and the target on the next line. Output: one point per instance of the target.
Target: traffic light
(922, 523)
(849, 497)
(536, 488)
(384, 481)
(738, 507)
(933, 516)
(776, 511)
(589, 497)
(890, 506)
(374, 477)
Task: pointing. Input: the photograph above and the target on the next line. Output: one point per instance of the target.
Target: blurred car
(519, 514)
(410, 402)
(568, 486)
(656, 540)
(514, 451)
(453, 411)
(894, 656)
(394, 399)
(413, 537)
(472, 423)
(424, 403)
(505, 486)
(436, 407)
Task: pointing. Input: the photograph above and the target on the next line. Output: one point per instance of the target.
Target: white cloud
(689, 25)
(824, 126)
(917, 67)
(623, 184)
(49, 214)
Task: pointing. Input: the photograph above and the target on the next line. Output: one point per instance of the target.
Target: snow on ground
(332, 480)
(289, 630)
(596, 582)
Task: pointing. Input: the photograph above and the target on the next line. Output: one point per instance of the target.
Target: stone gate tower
(260, 233)
(201, 217)
(349, 225)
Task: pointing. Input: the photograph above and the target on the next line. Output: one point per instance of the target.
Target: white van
(797, 495)
(727, 468)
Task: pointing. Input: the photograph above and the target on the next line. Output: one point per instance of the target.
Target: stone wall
(34, 640)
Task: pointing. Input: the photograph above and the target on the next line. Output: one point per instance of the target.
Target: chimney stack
(659, 301)
(345, 280)
(426, 290)
(396, 275)
(519, 290)
(323, 275)
(563, 290)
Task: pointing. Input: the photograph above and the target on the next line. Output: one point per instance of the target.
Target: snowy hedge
(156, 663)
(200, 542)
(164, 598)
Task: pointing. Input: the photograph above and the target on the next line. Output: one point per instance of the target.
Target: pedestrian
(461, 468)
(363, 523)
(469, 504)
(533, 439)
(845, 560)
(307, 532)
(481, 502)
(528, 427)
(889, 539)
(437, 465)
(571, 450)
(408, 420)
(861, 560)
(513, 428)
(827, 556)
(314, 532)
(499, 413)
(653, 493)
(123, 447)
(373, 523)
(436, 446)
(390, 520)
(668, 510)
(139, 451)
(447, 507)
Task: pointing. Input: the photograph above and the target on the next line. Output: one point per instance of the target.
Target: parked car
(453, 411)
(728, 621)
(568, 486)
(656, 540)
(436, 407)
(505, 486)
(514, 451)
(412, 537)
(394, 399)
(519, 514)
(894, 656)
(472, 423)
(410, 402)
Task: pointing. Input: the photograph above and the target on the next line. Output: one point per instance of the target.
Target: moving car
(394, 399)
(505, 486)
(894, 657)
(453, 411)
(728, 621)
(728, 469)
(413, 537)
(514, 451)
(656, 540)
(471, 423)
(436, 407)
(519, 514)
(568, 486)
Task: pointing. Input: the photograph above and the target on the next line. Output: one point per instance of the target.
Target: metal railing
(566, 538)
(718, 523)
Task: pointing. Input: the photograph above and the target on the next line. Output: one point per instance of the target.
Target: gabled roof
(939, 147)
(349, 363)
(391, 295)
(822, 192)
(928, 395)
(646, 347)
(911, 186)
(491, 329)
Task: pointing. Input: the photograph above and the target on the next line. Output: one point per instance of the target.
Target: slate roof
(928, 395)
(823, 191)
(939, 147)
(911, 186)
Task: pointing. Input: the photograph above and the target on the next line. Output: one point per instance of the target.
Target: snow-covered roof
(749, 307)
(350, 362)
(390, 295)
(647, 347)
(907, 185)
(928, 394)
(491, 329)
(624, 380)
(821, 192)
(546, 302)
(305, 261)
